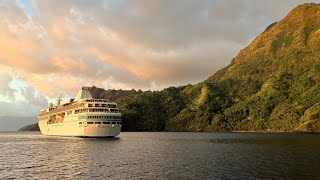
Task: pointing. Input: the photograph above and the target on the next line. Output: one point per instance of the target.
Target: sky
(49, 47)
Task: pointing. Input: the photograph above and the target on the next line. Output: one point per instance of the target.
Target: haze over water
(145, 155)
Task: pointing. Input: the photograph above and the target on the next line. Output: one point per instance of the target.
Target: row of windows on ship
(43, 117)
(116, 118)
(86, 117)
(100, 117)
(102, 105)
(93, 110)
(97, 122)
(66, 106)
(96, 100)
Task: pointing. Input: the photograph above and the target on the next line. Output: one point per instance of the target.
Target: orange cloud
(129, 46)
(15, 51)
(59, 33)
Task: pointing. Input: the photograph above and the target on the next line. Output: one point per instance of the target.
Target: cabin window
(113, 123)
(97, 122)
(89, 122)
(89, 105)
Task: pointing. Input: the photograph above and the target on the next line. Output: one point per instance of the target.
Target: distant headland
(31, 127)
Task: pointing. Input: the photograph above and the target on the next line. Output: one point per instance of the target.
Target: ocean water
(161, 155)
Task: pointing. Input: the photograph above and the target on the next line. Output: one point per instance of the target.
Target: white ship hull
(81, 117)
(80, 130)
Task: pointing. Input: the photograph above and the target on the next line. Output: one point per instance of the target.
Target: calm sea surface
(145, 155)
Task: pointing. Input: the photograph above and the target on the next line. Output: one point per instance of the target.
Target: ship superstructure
(81, 117)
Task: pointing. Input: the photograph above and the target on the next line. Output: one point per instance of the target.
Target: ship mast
(59, 100)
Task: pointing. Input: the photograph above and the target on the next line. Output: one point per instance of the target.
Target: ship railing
(83, 110)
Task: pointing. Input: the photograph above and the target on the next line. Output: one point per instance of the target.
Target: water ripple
(25, 155)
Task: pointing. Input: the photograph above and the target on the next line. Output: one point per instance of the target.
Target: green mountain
(271, 85)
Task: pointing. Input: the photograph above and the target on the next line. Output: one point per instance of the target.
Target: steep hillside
(276, 78)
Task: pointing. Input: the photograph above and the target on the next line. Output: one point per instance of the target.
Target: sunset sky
(50, 47)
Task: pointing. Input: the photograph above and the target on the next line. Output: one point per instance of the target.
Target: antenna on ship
(59, 99)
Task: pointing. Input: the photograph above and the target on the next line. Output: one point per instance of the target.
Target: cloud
(147, 44)
(18, 109)
(5, 90)
(33, 97)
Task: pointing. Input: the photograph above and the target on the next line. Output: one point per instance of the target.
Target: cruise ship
(83, 116)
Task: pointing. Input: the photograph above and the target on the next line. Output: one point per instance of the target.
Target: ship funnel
(83, 93)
